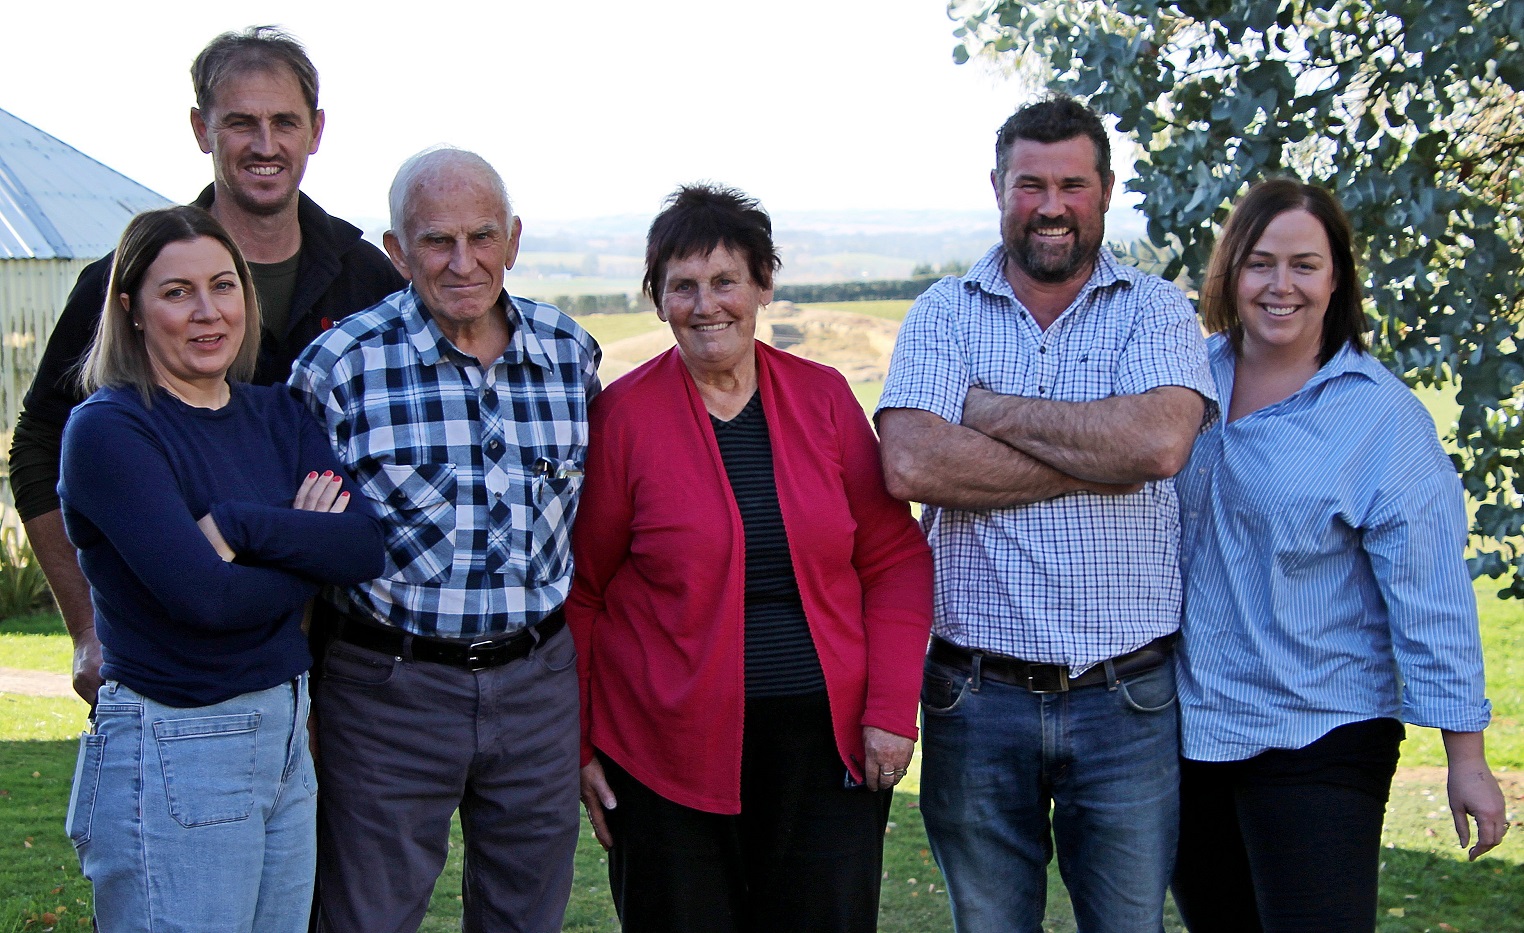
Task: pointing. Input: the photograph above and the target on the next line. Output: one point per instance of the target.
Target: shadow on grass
(41, 888)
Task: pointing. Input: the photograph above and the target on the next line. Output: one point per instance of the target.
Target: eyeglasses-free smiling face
(1284, 287)
(259, 132)
(1053, 203)
(190, 309)
(711, 304)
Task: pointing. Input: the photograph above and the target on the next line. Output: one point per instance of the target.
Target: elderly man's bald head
(453, 235)
(427, 166)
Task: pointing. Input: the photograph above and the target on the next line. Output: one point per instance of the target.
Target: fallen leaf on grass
(1396, 912)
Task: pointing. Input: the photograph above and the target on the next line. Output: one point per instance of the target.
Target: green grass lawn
(1425, 882)
(609, 328)
(889, 310)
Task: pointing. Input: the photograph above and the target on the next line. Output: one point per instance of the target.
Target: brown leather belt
(1048, 678)
(473, 656)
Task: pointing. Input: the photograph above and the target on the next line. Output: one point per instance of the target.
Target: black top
(780, 653)
(275, 283)
(339, 273)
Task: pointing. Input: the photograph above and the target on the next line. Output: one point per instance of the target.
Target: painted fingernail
(343, 495)
(312, 475)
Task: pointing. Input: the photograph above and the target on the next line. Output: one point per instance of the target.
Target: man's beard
(1050, 264)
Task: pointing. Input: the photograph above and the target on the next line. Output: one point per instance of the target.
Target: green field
(1426, 886)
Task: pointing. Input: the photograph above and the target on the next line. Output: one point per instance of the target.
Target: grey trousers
(403, 744)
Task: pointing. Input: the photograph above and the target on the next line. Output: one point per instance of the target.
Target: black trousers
(804, 855)
(1289, 840)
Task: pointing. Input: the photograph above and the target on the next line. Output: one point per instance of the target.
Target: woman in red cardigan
(751, 610)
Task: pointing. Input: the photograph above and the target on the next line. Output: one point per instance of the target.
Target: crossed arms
(1010, 450)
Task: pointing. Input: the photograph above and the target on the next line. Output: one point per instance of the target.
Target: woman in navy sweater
(207, 512)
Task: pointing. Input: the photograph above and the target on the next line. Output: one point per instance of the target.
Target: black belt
(1048, 678)
(473, 656)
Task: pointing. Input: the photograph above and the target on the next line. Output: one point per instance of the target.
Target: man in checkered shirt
(1038, 407)
(450, 680)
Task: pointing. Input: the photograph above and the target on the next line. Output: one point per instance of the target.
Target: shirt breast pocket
(552, 500)
(417, 508)
(1087, 373)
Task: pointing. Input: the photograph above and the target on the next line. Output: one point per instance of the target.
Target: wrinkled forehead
(456, 200)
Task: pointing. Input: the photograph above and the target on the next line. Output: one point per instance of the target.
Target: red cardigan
(657, 606)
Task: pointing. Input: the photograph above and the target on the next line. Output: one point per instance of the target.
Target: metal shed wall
(32, 294)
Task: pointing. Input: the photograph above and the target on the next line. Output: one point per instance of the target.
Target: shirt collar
(432, 346)
(988, 274)
(1348, 361)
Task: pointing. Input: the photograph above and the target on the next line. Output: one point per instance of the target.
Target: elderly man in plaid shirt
(450, 680)
(1038, 406)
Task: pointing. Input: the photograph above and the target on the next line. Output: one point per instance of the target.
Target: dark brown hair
(258, 48)
(1052, 120)
(1344, 323)
(699, 218)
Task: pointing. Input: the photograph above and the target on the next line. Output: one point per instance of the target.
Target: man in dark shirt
(256, 114)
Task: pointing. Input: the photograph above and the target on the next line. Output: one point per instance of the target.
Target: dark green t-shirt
(276, 283)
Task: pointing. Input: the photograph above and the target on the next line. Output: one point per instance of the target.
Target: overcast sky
(590, 108)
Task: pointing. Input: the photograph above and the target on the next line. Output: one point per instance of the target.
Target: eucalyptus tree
(1412, 110)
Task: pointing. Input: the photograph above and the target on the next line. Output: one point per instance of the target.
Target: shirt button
(1042, 349)
(489, 397)
(1202, 471)
(494, 445)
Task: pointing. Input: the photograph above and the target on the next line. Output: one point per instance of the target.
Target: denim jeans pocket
(208, 765)
(942, 688)
(1151, 691)
(358, 666)
(558, 653)
(87, 782)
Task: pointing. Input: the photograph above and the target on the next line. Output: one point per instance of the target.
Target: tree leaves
(1411, 110)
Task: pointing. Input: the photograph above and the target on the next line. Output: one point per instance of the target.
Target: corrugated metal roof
(58, 203)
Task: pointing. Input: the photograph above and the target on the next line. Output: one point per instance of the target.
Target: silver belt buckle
(474, 660)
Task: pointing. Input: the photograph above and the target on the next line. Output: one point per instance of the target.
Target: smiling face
(1284, 287)
(711, 304)
(190, 309)
(457, 241)
(259, 133)
(1052, 201)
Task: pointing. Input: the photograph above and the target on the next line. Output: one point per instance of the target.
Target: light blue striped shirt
(1325, 580)
(1079, 578)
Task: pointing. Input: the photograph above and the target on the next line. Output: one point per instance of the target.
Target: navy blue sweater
(176, 623)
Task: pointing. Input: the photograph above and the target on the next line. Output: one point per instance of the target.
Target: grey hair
(425, 165)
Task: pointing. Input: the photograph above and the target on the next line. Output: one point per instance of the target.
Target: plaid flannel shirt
(1080, 578)
(474, 470)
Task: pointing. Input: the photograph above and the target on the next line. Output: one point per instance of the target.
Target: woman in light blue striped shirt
(1326, 594)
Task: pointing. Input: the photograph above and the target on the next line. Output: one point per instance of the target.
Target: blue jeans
(197, 819)
(1102, 761)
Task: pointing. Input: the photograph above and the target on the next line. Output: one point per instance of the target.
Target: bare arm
(60, 564)
(1121, 439)
(928, 460)
(1473, 792)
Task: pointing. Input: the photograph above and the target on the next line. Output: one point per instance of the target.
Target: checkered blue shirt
(1080, 578)
(478, 537)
